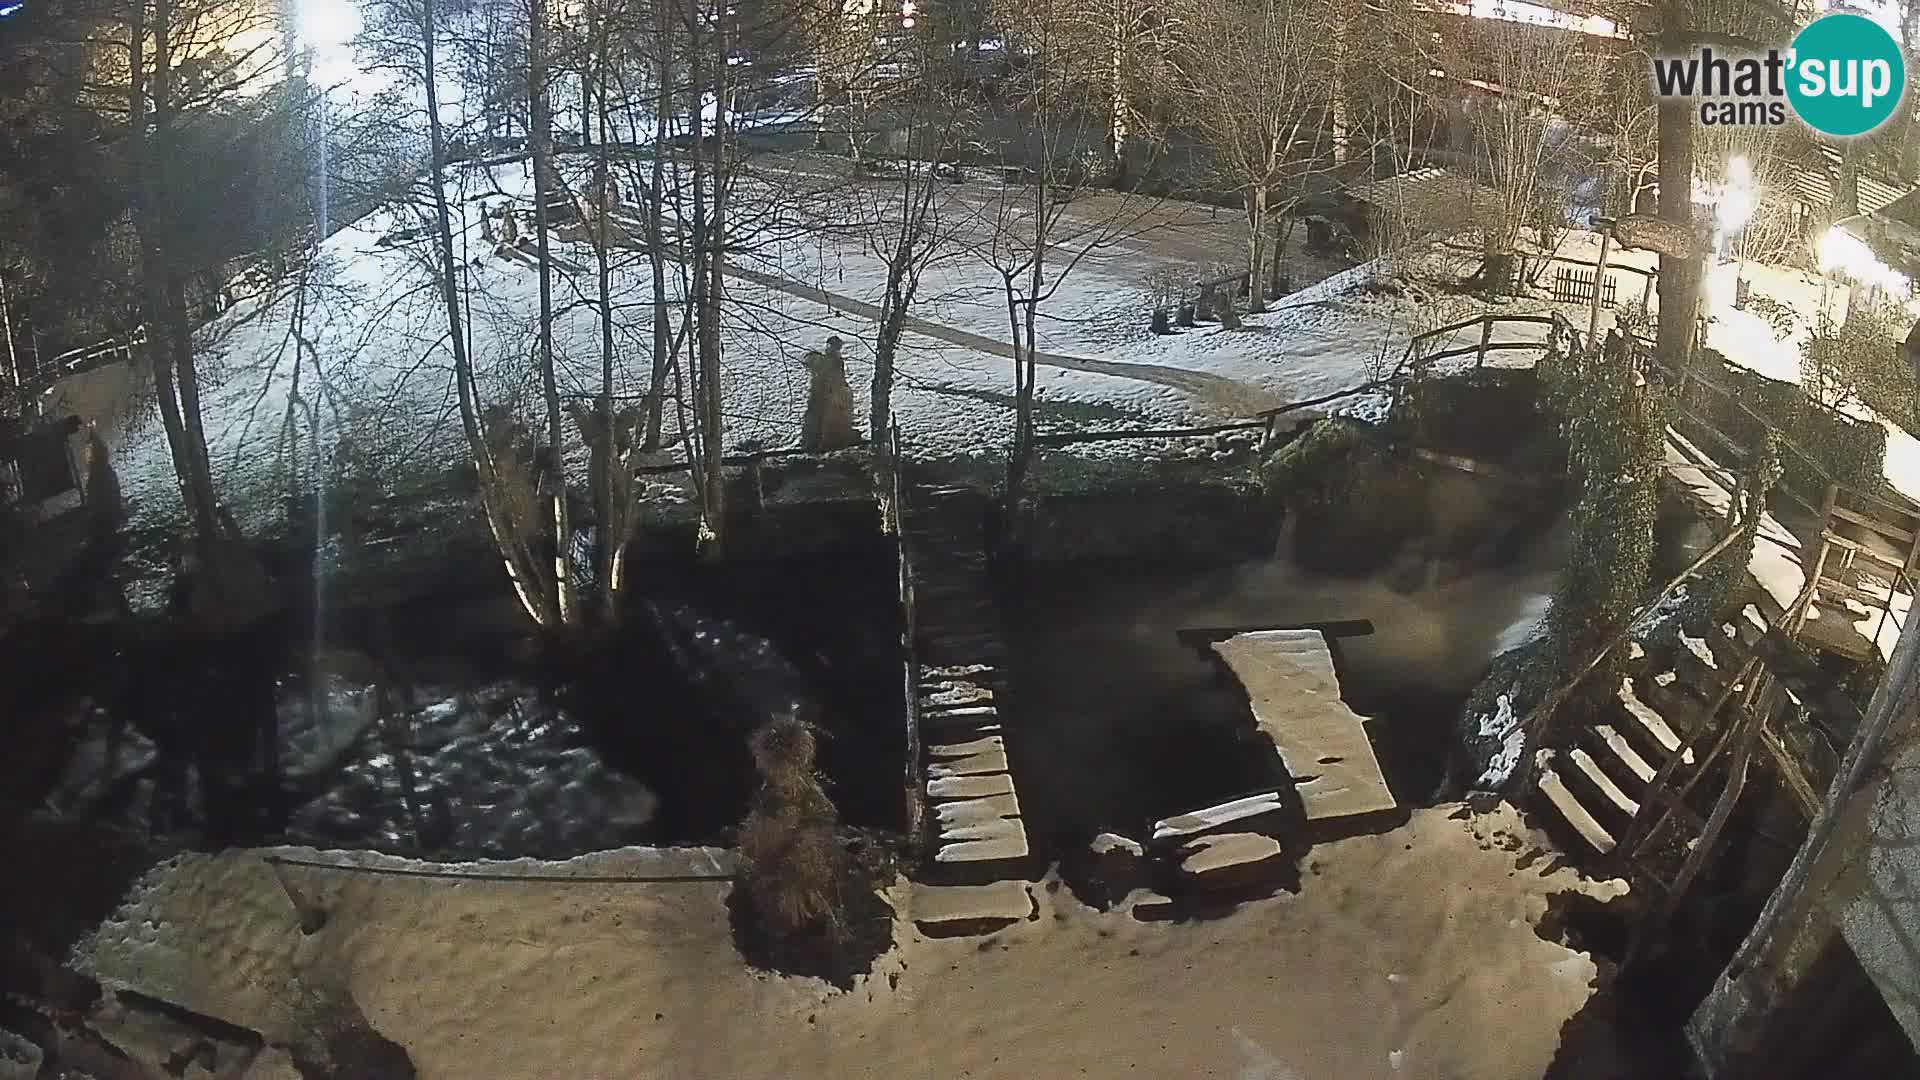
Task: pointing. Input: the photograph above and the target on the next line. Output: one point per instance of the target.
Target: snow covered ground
(360, 353)
(1410, 953)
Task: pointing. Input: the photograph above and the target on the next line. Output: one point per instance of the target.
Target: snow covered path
(1230, 397)
(1426, 933)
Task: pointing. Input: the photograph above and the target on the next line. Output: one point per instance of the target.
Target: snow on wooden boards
(1290, 682)
(998, 902)
(1194, 822)
(974, 811)
(1563, 801)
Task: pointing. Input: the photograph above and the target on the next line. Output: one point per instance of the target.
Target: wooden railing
(86, 358)
(1415, 360)
(893, 520)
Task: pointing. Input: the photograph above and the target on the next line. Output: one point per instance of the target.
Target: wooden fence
(1574, 286)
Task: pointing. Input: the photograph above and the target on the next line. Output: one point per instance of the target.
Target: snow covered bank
(1410, 953)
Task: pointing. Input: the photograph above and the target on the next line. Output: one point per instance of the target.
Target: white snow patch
(1108, 842)
(1504, 726)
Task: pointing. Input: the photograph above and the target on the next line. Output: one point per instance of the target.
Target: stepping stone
(969, 787)
(957, 910)
(1599, 779)
(1207, 818)
(1563, 800)
(965, 712)
(1625, 753)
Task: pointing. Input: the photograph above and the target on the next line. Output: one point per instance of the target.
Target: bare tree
(407, 36)
(1529, 83)
(1253, 76)
(1026, 233)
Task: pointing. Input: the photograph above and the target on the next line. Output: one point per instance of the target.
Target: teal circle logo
(1845, 75)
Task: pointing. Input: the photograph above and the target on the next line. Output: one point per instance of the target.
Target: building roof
(1814, 186)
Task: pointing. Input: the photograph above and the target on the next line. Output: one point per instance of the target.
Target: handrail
(1411, 355)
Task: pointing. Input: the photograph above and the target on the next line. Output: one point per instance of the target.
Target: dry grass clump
(795, 869)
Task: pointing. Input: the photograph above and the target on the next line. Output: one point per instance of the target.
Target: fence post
(1486, 338)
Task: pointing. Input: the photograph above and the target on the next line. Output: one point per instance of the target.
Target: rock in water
(828, 423)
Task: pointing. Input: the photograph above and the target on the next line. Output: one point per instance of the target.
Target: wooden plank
(1890, 561)
(1297, 705)
(1561, 797)
(1832, 589)
(1650, 721)
(1335, 628)
(983, 745)
(1598, 777)
(984, 763)
(1791, 771)
(969, 787)
(1008, 841)
(1212, 817)
(1001, 901)
(1893, 532)
(1624, 752)
(987, 806)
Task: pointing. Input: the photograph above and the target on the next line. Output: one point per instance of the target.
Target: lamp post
(1606, 226)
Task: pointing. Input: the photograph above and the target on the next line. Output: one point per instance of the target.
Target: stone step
(1624, 753)
(947, 910)
(1590, 769)
(1562, 799)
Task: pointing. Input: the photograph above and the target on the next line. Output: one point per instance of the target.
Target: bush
(1861, 359)
(1616, 435)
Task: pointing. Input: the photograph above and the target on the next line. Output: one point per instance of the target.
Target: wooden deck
(1295, 694)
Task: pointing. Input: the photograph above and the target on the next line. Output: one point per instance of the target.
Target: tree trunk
(1679, 278)
(1256, 200)
(612, 505)
(1337, 119)
(169, 340)
(714, 386)
(656, 234)
(521, 572)
(1120, 108)
(893, 314)
(540, 112)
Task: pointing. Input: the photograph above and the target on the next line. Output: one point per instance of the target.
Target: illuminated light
(907, 22)
(909, 9)
(1845, 255)
(327, 25)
